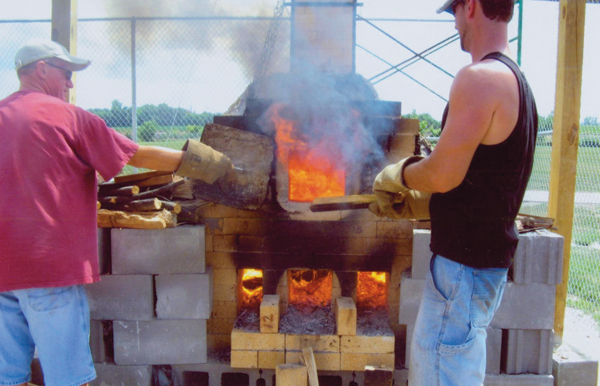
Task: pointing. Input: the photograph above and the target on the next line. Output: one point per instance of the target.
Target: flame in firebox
(252, 288)
(315, 170)
(371, 290)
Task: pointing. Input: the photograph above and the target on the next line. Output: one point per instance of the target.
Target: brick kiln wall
(170, 296)
(238, 234)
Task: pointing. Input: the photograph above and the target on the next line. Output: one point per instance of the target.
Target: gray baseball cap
(447, 7)
(40, 49)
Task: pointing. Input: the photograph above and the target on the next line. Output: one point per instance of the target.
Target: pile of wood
(142, 201)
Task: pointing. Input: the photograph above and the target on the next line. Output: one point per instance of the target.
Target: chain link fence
(159, 81)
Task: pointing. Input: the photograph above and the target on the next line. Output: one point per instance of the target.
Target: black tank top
(474, 223)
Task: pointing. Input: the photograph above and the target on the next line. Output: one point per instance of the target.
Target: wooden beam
(565, 139)
(64, 31)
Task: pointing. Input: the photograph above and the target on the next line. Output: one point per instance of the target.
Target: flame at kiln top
(315, 168)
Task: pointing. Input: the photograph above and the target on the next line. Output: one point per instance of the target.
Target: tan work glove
(410, 205)
(394, 198)
(204, 163)
(390, 178)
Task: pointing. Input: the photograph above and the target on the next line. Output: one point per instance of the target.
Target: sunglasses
(455, 4)
(68, 73)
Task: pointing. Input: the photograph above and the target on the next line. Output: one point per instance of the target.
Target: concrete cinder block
(518, 380)
(97, 346)
(493, 349)
(122, 297)
(104, 250)
(411, 292)
(571, 368)
(162, 251)
(112, 375)
(160, 342)
(526, 307)
(529, 351)
(184, 296)
(421, 254)
(523, 306)
(538, 258)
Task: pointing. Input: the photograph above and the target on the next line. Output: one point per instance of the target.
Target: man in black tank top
(476, 175)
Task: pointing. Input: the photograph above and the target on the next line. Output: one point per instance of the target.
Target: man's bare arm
(473, 103)
(156, 158)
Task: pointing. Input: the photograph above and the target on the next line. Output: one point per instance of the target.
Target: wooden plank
(565, 139)
(356, 201)
(119, 219)
(309, 360)
(139, 176)
(252, 154)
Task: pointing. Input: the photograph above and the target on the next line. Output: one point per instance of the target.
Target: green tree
(148, 130)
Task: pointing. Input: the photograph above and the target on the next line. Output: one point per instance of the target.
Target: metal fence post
(133, 85)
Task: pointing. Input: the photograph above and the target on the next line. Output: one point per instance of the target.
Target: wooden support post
(64, 31)
(565, 139)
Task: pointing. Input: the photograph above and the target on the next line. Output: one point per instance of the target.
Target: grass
(588, 169)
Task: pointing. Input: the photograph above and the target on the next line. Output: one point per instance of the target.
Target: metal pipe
(133, 84)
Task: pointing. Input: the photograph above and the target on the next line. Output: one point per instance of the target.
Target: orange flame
(314, 171)
(371, 290)
(310, 287)
(252, 289)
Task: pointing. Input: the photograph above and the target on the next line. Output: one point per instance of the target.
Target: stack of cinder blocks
(347, 350)
(520, 337)
(152, 304)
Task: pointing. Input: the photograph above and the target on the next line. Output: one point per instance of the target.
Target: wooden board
(327, 204)
(252, 154)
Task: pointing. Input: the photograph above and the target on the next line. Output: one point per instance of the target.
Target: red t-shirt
(49, 154)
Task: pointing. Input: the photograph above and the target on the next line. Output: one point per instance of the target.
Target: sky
(99, 86)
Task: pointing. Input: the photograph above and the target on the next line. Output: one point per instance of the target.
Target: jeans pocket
(446, 276)
(488, 287)
(47, 299)
(453, 349)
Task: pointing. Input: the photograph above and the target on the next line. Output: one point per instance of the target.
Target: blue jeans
(57, 322)
(458, 304)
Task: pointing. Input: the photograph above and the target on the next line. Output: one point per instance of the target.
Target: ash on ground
(248, 320)
(308, 321)
(373, 322)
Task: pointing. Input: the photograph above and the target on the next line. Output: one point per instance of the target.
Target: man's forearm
(156, 158)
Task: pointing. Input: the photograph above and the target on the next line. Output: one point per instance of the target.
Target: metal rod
(315, 4)
(400, 70)
(406, 47)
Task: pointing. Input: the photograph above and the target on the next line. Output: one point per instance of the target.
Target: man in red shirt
(49, 155)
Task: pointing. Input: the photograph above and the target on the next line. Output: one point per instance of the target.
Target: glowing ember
(310, 288)
(252, 288)
(314, 171)
(371, 290)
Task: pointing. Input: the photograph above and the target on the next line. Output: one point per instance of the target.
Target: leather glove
(394, 198)
(411, 204)
(204, 163)
(390, 178)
